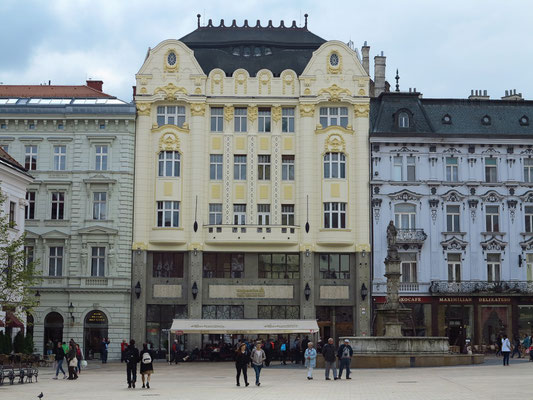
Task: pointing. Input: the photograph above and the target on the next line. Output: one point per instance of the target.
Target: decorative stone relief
(453, 196)
(512, 209)
(228, 167)
(472, 205)
(361, 110)
(277, 179)
(334, 143)
(288, 80)
(252, 113)
(492, 197)
(143, 108)
(493, 244)
(433, 205)
(241, 80)
(169, 142)
(334, 92)
(170, 91)
(404, 149)
(376, 207)
(217, 79)
(228, 113)
(198, 109)
(454, 244)
(405, 195)
(276, 113)
(264, 80)
(307, 110)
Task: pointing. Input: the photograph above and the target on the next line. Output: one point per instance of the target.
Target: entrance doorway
(53, 328)
(94, 330)
(456, 333)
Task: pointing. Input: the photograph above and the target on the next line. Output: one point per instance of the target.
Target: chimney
(478, 95)
(97, 85)
(379, 74)
(365, 51)
(512, 95)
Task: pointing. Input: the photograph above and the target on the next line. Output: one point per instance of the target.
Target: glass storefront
(494, 322)
(525, 320)
(456, 322)
(159, 318)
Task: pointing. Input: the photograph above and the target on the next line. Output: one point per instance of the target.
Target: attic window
(246, 52)
(447, 119)
(485, 120)
(268, 51)
(403, 120)
(236, 51)
(524, 120)
(257, 52)
(171, 59)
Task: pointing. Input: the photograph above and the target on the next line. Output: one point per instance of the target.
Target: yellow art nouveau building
(251, 181)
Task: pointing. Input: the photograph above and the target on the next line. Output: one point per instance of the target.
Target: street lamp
(194, 290)
(71, 311)
(307, 291)
(364, 292)
(137, 289)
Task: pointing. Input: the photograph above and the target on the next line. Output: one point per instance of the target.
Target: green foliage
(18, 343)
(8, 344)
(28, 345)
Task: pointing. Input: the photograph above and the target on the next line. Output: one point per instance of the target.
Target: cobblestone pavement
(197, 381)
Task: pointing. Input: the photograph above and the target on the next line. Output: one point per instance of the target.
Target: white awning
(243, 326)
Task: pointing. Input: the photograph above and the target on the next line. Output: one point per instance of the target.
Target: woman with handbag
(147, 368)
(72, 362)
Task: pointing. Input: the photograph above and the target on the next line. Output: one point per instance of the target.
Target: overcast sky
(443, 48)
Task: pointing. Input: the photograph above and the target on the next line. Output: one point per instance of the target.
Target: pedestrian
(242, 359)
(132, 358)
(310, 359)
(175, 349)
(330, 356)
(65, 348)
(123, 347)
(283, 352)
(103, 351)
(72, 362)
(526, 343)
(60, 356)
(49, 347)
(345, 354)
(516, 347)
(506, 350)
(79, 356)
(147, 367)
(258, 357)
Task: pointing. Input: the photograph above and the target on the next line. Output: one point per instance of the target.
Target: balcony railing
(480, 287)
(252, 233)
(408, 287)
(411, 237)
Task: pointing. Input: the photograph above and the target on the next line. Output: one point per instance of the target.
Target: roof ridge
(257, 25)
(5, 156)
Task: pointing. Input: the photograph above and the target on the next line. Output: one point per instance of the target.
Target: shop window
(167, 265)
(223, 265)
(334, 266)
(279, 266)
(159, 318)
(278, 312)
(222, 312)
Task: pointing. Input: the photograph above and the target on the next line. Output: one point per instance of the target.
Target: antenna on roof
(305, 16)
(198, 16)
(397, 81)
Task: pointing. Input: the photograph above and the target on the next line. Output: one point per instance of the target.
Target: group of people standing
(519, 347)
(74, 357)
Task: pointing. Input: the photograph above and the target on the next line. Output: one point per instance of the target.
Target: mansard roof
(6, 158)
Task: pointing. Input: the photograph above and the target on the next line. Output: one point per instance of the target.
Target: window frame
(287, 167)
(334, 215)
(288, 120)
(528, 170)
(29, 209)
(101, 157)
(216, 167)
(453, 218)
(264, 120)
(169, 164)
(175, 260)
(58, 205)
(451, 169)
(287, 215)
(399, 219)
(240, 119)
(454, 267)
(55, 260)
(328, 116)
(277, 269)
(164, 113)
(60, 157)
(215, 215)
(494, 267)
(528, 218)
(263, 167)
(99, 206)
(217, 120)
(263, 214)
(31, 156)
(225, 265)
(239, 214)
(165, 209)
(492, 219)
(240, 162)
(491, 171)
(331, 272)
(333, 167)
(98, 261)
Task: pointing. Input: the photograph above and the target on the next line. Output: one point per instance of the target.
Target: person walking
(330, 357)
(104, 346)
(345, 354)
(79, 357)
(132, 358)
(175, 349)
(123, 347)
(60, 356)
(147, 367)
(526, 343)
(242, 359)
(516, 347)
(49, 347)
(72, 362)
(506, 350)
(258, 357)
(283, 352)
(310, 359)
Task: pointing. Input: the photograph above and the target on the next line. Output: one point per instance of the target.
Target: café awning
(243, 326)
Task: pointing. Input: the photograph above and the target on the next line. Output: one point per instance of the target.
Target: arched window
(403, 120)
(334, 166)
(169, 163)
(405, 216)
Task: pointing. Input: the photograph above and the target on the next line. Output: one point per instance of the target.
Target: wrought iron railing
(480, 287)
(410, 236)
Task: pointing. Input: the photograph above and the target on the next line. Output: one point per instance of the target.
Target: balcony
(410, 238)
(408, 287)
(480, 287)
(251, 234)
(403, 287)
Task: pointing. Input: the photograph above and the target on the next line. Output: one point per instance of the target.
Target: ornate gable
(493, 244)
(527, 197)
(453, 196)
(492, 197)
(454, 243)
(405, 195)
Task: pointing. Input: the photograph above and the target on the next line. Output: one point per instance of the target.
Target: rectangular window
(528, 170)
(263, 168)
(287, 120)
(60, 158)
(529, 218)
(408, 267)
(215, 214)
(240, 119)
(100, 205)
(529, 267)
(169, 163)
(239, 214)
(287, 168)
(217, 119)
(263, 214)
(279, 266)
(55, 261)
(168, 214)
(287, 214)
(171, 115)
(215, 167)
(411, 169)
(222, 312)
(397, 169)
(334, 215)
(223, 265)
(12, 218)
(98, 261)
(334, 266)
(239, 168)
(334, 166)
(167, 265)
(28, 255)
(101, 157)
(263, 120)
(58, 205)
(493, 268)
(452, 218)
(492, 218)
(454, 267)
(30, 157)
(405, 216)
(278, 312)
(333, 116)
(491, 171)
(452, 169)
(29, 210)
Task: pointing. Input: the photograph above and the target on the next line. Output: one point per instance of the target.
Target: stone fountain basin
(399, 345)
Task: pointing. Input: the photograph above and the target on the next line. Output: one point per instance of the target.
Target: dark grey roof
(116, 109)
(280, 47)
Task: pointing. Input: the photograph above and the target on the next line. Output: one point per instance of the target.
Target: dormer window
(257, 52)
(403, 120)
(334, 59)
(236, 51)
(447, 119)
(268, 51)
(171, 59)
(524, 121)
(246, 52)
(485, 120)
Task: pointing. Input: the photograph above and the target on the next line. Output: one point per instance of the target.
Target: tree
(28, 345)
(18, 343)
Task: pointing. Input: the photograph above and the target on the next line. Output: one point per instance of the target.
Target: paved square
(205, 380)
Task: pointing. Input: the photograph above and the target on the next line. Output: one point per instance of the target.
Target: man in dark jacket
(345, 358)
(330, 356)
(132, 358)
(60, 356)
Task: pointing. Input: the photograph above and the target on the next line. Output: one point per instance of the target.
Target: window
(167, 265)
(60, 127)
(491, 171)
(529, 266)
(528, 170)
(215, 167)
(493, 268)
(102, 126)
(240, 119)
(397, 168)
(452, 169)
(101, 157)
(28, 255)
(98, 261)
(168, 214)
(278, 312)
(334, 166)
(55, 261)
(30, 157)
(60, 158)
(169, 163)
(222, 311)
(454, 267)
(263, 214)
(223, 265)
(263, 120)
(215, 214)
(529, 218)
(263, 168)
(100, 205)
(334, 266)
(287, 214)
(405, 216)
(5, 147)
(404, 168)
(12, 218)
(287, 120)
(287, 168)
(333, 116)
(279, 266)
(452, 218)
(58, 205)
(171, 115)
(408, 267)
(159, 318)
(217, 119)
(239, 214)
(335, 215)
(492, 218)
(239, 168)
(403, 120)
(29, 210)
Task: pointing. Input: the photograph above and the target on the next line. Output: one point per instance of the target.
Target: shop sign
(455, 299)
(405, 299)
(97, 317)
(493, 300)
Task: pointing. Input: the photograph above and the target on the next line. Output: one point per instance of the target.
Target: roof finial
(198, 16)
(397, 81)
(305, 15)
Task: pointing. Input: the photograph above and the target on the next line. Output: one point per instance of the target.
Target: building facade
(78, 143)
(455, 177)
(251, 185)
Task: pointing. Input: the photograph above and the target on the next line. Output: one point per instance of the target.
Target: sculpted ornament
(170, 91)
(334, 143)
(169, 142)
(228, 113)
(143, 108)
(264, 79)
(307, 110)
(288, 80)
(276, 113)
(361, 110)
(252, 113)
(198, 109)
(335, 92)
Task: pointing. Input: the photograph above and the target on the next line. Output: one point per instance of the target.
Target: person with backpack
(241, 363)
(329, 353)
(147, 368)
(60, 356)
(283, 352)
(345, 358)
(258, 357)
(310, 359)
(132, 358)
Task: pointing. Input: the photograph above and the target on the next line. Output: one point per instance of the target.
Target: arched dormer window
(334, 166)
(169, 163)
(403, 120)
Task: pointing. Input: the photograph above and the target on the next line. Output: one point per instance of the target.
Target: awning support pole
(168, 354)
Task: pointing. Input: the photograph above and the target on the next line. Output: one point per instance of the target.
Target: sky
(443, 48)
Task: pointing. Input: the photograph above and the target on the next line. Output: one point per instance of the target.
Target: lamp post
(194, 290)
(137, 289)
(364, 292)
(307, 291)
